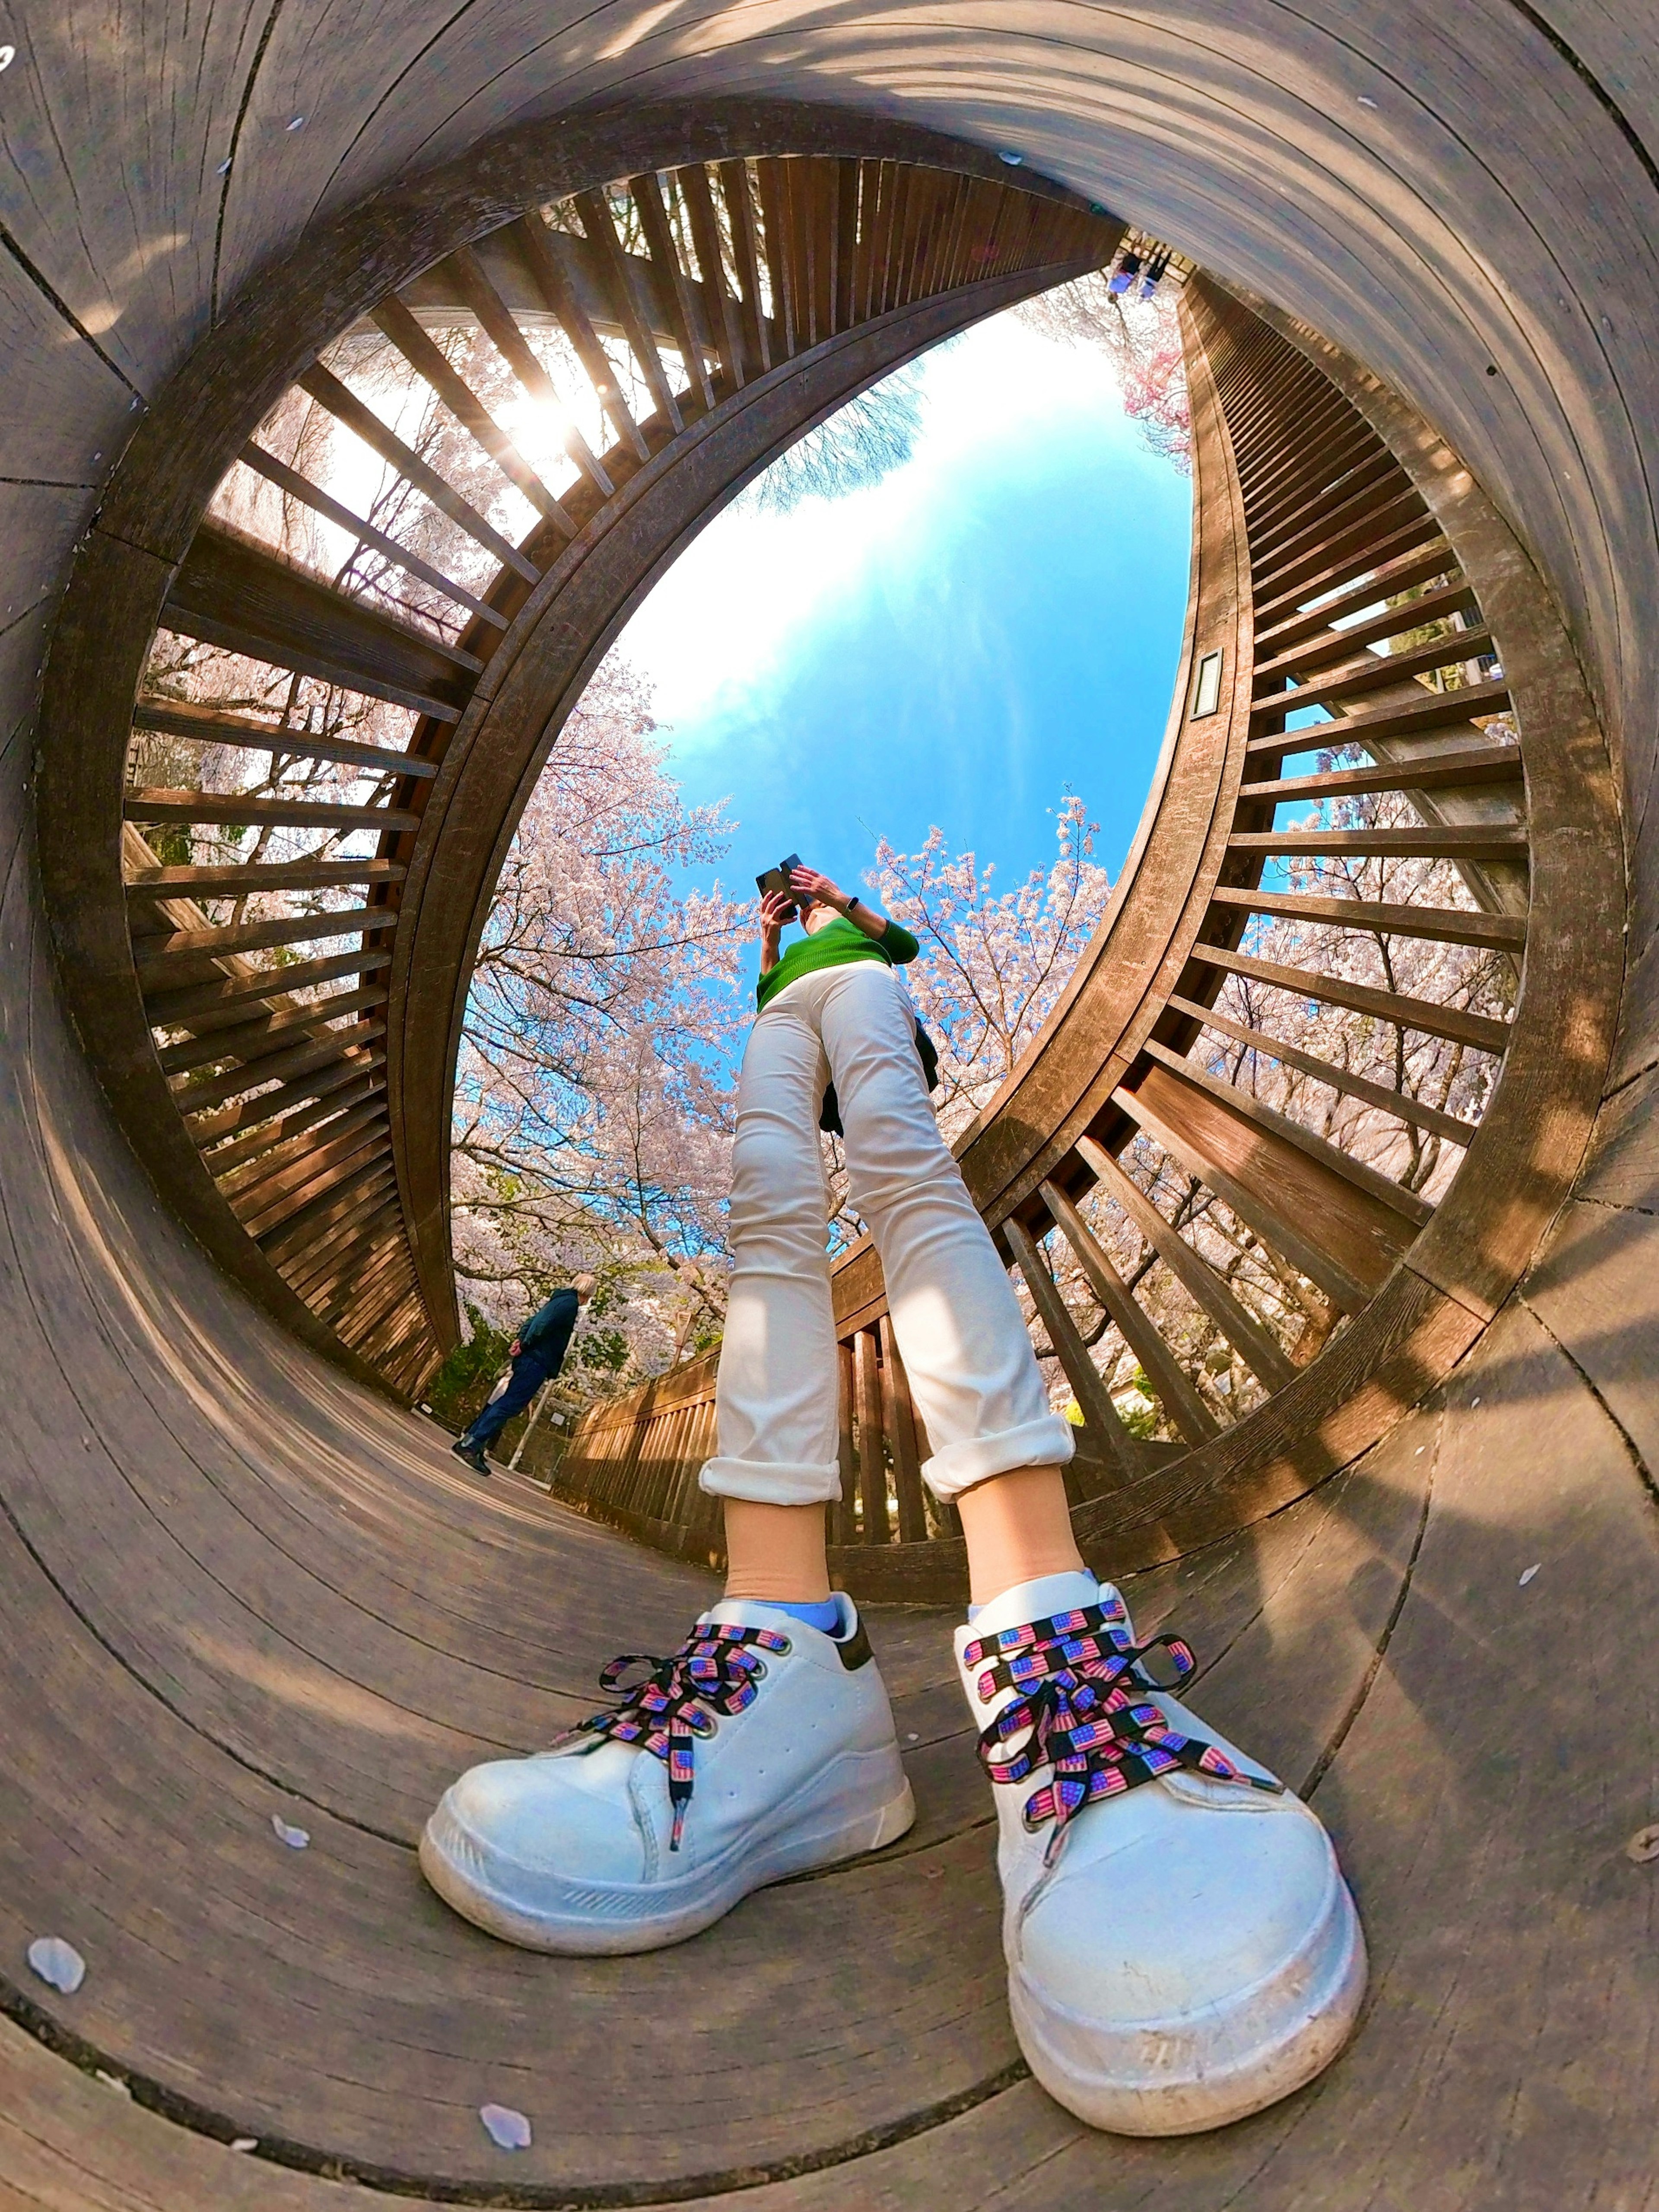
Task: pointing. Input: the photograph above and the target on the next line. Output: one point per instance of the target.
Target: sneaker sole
(1151, 2080)
(586, 1919)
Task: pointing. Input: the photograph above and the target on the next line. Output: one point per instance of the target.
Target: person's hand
(776, 908)
(514, 1349)
(808, 884)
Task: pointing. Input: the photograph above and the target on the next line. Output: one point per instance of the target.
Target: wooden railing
(1322, 577)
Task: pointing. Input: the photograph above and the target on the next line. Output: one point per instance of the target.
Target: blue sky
(996, 622)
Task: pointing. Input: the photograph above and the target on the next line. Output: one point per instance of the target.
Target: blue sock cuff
(823, 1614)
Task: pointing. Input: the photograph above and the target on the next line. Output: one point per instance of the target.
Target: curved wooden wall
(236, 1584)
(1326, 575)
(284, 1063)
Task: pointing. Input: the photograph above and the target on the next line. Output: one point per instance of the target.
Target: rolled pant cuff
(1050, 1441)
(769, 1482)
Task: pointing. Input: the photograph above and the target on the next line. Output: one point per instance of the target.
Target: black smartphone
(777, 879)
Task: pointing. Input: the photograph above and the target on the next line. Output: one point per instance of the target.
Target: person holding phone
(1182, 1949)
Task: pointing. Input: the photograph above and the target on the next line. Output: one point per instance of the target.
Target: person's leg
(776, 1463)
(1191, 1954)
(526, 1378)
(764, 1747)
(997, 1447)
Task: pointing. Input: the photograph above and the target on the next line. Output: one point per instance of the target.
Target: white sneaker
(762, 1748)
(1181, 1947)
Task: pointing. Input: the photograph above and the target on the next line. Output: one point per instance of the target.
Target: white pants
(973, 1374)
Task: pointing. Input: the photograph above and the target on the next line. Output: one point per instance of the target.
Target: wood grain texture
(1482, 1789)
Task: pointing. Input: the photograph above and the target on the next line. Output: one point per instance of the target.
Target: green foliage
(457, 1391)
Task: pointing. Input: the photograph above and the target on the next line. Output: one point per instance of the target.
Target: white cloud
(728, 611)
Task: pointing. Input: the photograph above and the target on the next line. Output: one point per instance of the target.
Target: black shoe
(472, 1454)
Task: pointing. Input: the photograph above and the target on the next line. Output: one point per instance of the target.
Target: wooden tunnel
(1403, 1509)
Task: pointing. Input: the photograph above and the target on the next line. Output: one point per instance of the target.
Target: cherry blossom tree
(593, 1096)
(1141, 339)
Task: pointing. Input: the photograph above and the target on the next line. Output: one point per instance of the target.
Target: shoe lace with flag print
(1080, 1683)
(714, 1676)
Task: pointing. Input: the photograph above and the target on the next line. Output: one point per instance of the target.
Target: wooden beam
(1253, 1342)
(1168, 1379)
(232, 809)
(595, 210)
(232, 593)
(205, 726)
(1451, 770)
(230, 879)
(473, 282)
(1235, 1100)
(1445, 925)
(1297, 1211)
(873, 1470)
(430, 361)
(366, 533)
(673, 292)
(1477, 1031)
(1100, 1416)
(341, 402)
(1324, 1071)
(901, 1425)
(530, 232)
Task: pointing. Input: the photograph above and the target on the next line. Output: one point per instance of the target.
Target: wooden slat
(204, 725)
(251, 1042)
(329, 1085)
(673, 291)
(232, 995)
(290, 1157)
(194, 1099)
(1248, 1337)
(1344, 557)
(594, 209)
(341, 402)
(231, 593)
(1278, 634)
(430, 361)
(1305, 1215)
(1406, 1203)
(1324, 1071)
(1477, 1031)
(1100, 1416)
(1434, 710)
(232, 809)
(1498, 842)
(768, 182)
(1371, 670)
(872, 1471)
(901, 1425)
(745, 246)
(1327, 647)
(725, 325)
(349, 1155)
(366, 533)
(1449, 770)
(232, 880)
(1168, 1379)
(840, 1523)
(189, 956)
(1445, 925)
(531, 234)
(473, 282)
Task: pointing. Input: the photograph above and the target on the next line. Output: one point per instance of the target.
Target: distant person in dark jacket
(537, 1353)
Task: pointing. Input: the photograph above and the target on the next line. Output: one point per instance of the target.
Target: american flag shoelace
(1081, 1703)
(714, 1674)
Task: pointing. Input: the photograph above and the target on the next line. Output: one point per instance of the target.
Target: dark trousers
(528, 1375)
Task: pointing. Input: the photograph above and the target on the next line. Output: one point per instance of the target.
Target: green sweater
(836, 943)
